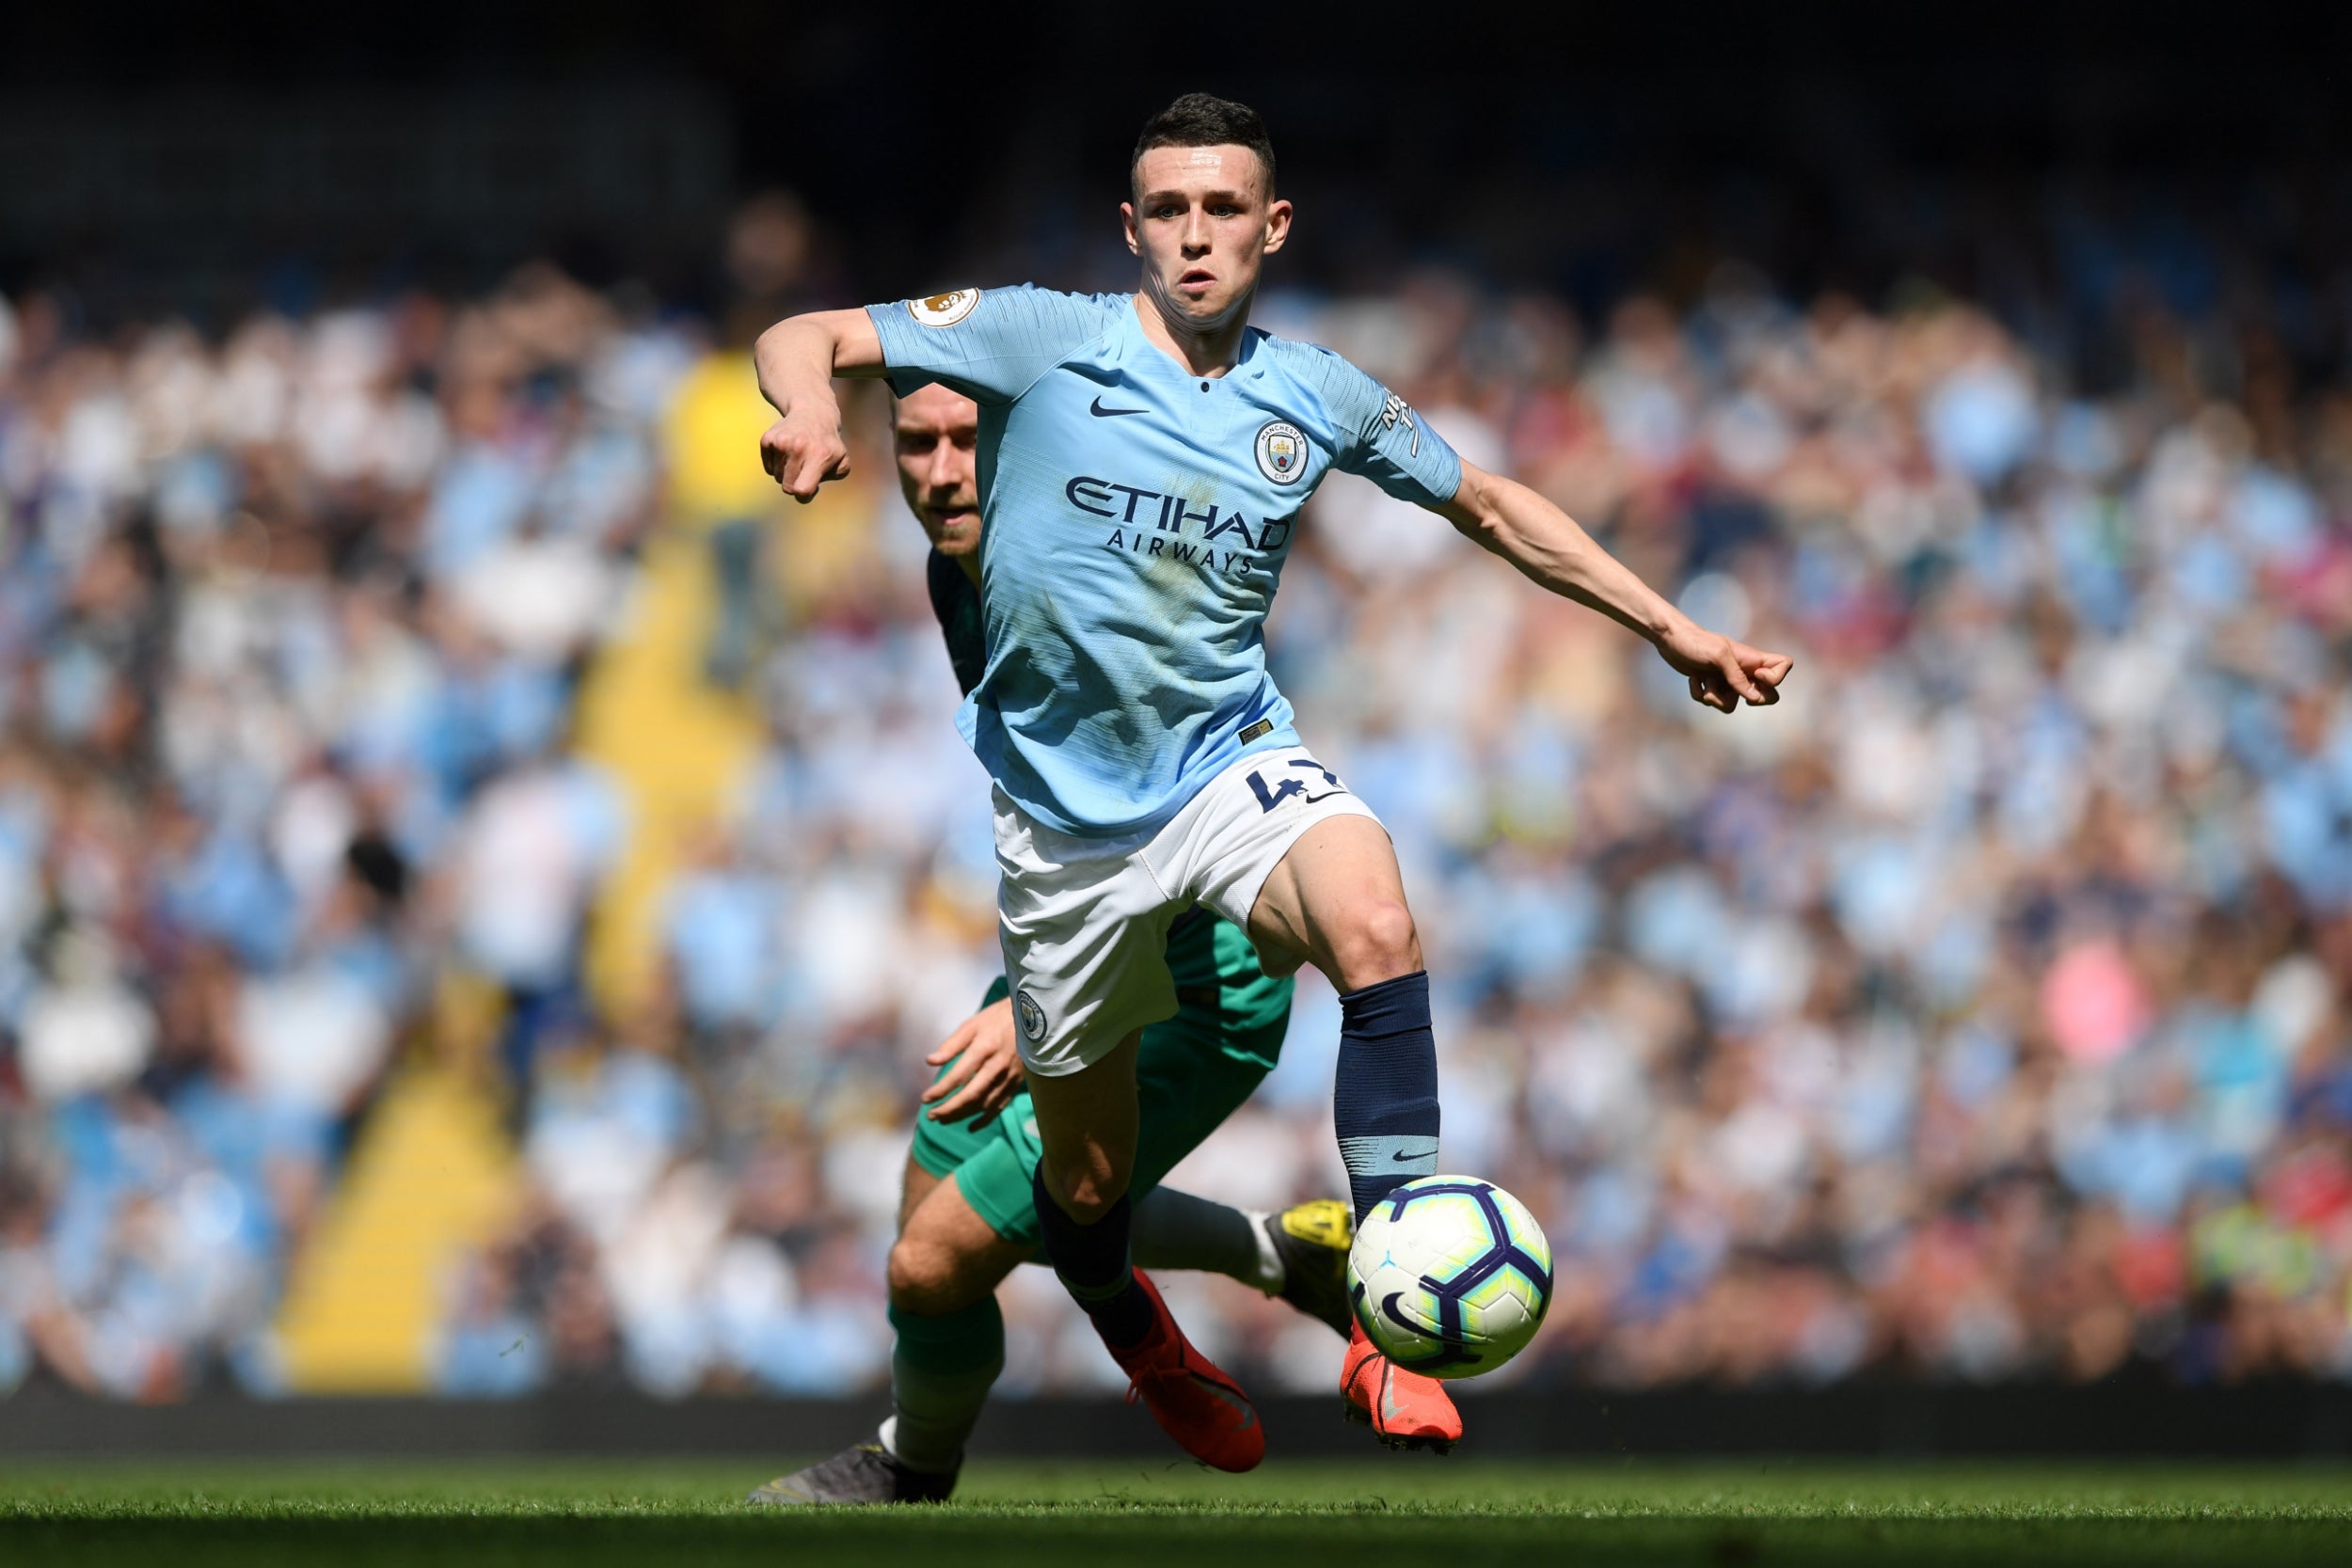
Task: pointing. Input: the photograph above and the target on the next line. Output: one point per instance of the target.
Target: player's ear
(1127, 221)
(1277, 225)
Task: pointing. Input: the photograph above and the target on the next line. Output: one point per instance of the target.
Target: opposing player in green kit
(968, 1217)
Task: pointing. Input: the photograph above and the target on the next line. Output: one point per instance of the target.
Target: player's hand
(802, 450)
(1724, 673)
(987, 1072)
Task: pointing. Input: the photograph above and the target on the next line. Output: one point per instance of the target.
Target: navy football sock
(1383, 1104)
(1092, 1263)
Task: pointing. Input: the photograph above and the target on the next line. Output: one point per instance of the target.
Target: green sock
(1176, 1230)
(941, 1370)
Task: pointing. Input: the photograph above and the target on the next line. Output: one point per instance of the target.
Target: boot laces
(1176, 1373)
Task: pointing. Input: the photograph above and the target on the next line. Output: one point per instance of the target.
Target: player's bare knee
(1086, 1203)
(1086, 1195)
(1378, 942)
(921, 1275)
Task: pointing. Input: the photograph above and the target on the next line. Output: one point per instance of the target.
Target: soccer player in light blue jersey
(968, 1212)
(1143, 459)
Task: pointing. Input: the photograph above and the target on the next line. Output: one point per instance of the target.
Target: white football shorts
(1084, 921)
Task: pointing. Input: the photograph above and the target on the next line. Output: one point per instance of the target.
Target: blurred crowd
(1978, 1012)
(291, 622)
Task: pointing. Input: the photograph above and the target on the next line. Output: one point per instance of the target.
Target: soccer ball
(1450, 1275)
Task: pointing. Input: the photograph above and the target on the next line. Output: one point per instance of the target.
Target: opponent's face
(937, 432)
(1203, 226)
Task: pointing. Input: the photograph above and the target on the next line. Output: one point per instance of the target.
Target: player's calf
(1384, 1101)
(1337, 898)
(1086, 1127)
(1091, 1260)
(949, 1345)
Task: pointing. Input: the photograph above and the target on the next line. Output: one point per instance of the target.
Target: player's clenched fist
(802, 452)
(1725, 673)
(797, 361)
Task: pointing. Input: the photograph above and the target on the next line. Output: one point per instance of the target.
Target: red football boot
(1205, 1411)
(1406, 1410)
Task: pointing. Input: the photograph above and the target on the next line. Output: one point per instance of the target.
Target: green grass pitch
(1418, 1512)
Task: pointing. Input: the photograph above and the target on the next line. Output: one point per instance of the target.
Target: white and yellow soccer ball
(1450, 1275)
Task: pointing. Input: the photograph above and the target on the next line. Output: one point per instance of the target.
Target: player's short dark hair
(1204, 119)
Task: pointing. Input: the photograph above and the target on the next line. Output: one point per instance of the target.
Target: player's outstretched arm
(1545, 543)
(797, 359)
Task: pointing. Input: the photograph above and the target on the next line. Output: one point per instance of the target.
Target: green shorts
(1192, 1071)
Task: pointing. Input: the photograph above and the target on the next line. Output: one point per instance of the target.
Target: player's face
(937, 431)
(1204, 226)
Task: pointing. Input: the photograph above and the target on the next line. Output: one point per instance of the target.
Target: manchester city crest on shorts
(1282, 451)
(1032, 1017)
(943, 309)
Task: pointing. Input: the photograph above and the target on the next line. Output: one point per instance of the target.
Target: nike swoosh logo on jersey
(1102, 413)
(1404, 1154)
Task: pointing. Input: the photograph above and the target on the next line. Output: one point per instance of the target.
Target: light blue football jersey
(1134, 522)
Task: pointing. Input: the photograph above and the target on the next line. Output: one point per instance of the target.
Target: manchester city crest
(1031, 1016)
(1282, 451)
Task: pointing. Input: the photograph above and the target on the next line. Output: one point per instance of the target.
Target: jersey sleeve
(989, 344)
(1377, 434)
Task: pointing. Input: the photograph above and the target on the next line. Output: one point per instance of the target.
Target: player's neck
(1206, 350)
(969, 565)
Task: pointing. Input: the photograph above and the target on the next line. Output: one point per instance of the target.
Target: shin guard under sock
(1093, 1263)
(940, 1369)
(1384, 1100)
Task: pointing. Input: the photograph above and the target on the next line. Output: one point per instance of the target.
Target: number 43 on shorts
(1288, 789)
